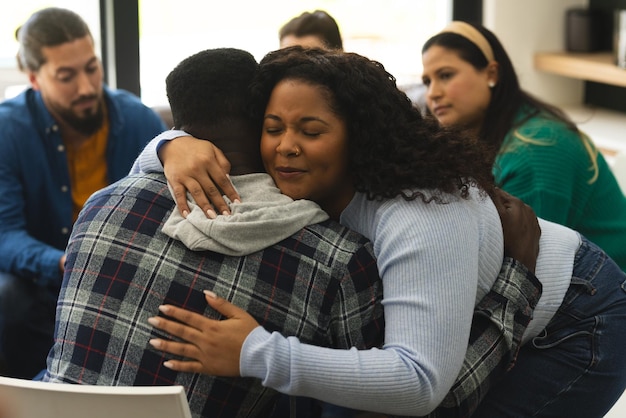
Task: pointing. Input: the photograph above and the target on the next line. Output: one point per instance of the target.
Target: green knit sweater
(552, 171)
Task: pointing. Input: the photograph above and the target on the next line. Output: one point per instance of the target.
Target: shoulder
(541, 138)
(130, 107)
(123, 97)
(543, 129)
(23, 122)
(332, 234)
(138, 185)
(149, 188)
(134, 206)
(399, 226)
(16, 112)
(332, 245)
(127, 102)
(17, 102)
(369, 217)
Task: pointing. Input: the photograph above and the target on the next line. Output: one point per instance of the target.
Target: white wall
(9, 79)
(525, 27)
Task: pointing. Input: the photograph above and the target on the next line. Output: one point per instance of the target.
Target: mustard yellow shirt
(88, 167)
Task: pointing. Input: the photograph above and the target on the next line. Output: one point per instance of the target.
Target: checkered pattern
(321, 285)
(499, 322)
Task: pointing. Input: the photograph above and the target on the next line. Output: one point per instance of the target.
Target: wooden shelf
(598, 67)
(604, 126)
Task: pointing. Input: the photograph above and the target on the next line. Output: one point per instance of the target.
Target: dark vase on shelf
(582, 30)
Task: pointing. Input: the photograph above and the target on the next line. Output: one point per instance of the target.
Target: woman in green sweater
(539, 154)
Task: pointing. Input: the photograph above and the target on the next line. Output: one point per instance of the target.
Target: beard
(88, 122)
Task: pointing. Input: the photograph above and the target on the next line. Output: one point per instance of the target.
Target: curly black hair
(394, 149)
(211, 87)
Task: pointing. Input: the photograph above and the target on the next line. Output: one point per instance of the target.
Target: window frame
(119, 25)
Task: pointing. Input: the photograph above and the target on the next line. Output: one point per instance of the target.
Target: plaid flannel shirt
(499, 322)
(321, 285)
(102, 334)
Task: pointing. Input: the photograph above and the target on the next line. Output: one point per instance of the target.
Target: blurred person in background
(62, 139)
(539, 154)
(315, 29)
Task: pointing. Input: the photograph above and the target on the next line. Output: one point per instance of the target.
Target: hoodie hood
(263, 218)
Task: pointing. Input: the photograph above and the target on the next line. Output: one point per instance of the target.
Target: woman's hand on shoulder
(210, 346)
(197, 166)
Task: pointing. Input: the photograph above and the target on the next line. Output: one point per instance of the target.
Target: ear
(493, 73)
(32, 78)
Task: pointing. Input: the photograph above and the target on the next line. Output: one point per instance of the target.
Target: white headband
(473, 35)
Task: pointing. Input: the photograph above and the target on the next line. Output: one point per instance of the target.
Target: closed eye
(272, 130)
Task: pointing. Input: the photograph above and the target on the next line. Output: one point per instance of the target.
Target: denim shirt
(35, 189)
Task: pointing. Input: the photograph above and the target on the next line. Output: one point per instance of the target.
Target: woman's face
(304, 146)
(457, 93)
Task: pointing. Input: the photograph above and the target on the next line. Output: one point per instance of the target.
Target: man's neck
(241, 147)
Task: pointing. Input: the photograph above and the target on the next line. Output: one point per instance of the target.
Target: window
(11, 79)
(391, 32)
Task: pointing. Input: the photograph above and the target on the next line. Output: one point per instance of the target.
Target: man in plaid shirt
(319, 283)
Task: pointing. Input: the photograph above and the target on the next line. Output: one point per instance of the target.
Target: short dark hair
(47, 27)
(318, 23)
(211, 89)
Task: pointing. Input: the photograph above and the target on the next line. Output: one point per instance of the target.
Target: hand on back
(521, 229)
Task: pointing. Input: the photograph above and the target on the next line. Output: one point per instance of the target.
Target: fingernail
(211, 214)
(164, 308)
(155, 343)
(185, 214)
(168, 364)
(210, 294)
(226, 213)
(237, 201)
(153, 321)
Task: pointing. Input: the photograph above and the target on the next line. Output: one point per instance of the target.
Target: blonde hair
(590, 147)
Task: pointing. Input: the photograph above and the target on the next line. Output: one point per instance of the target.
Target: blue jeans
(26, 326)
(577, 366)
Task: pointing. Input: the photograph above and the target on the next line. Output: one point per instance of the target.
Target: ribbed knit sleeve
(148, 161)
(428, 259)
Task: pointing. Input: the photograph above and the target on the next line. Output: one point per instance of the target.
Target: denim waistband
(588, 260)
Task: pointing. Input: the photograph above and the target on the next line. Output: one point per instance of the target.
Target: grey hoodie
(264, 217)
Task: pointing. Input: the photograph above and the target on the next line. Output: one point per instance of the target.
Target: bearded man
(62, 139)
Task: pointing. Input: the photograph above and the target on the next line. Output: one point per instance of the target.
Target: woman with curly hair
(420, 193)
(539, 154)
